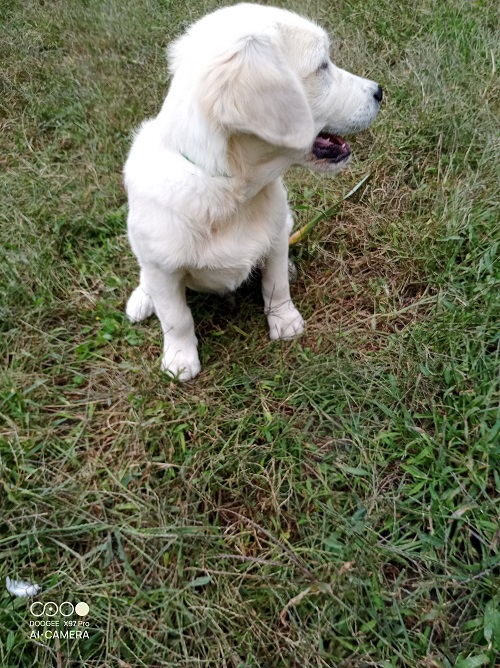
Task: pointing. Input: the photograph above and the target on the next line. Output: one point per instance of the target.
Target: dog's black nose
(379, 94)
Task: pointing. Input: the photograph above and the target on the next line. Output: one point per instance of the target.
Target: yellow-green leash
(300, 234)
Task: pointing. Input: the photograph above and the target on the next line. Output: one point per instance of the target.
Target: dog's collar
(188, 159)
(193, 163)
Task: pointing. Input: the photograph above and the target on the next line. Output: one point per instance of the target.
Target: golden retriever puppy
(253, 92)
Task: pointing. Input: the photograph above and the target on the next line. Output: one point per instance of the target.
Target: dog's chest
(233, 248)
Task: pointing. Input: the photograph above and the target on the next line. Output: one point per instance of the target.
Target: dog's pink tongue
(324, 142)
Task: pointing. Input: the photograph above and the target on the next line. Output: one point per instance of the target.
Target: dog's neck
(185, 131)
(250, 162)
(255, 162)
(186, 157)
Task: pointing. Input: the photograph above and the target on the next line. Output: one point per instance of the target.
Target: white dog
(253, 92)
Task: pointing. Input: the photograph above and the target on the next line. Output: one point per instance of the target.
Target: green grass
(331, 502)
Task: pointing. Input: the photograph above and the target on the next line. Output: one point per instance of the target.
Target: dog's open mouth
(330, 147)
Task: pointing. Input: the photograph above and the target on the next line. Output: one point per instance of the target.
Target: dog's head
(266, 72)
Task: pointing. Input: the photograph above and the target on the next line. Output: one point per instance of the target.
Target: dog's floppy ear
(253, 90)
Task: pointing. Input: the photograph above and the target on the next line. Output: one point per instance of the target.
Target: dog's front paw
(139, 306)
(285, 322)
(181, 364)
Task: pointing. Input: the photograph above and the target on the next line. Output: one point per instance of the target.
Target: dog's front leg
(168, 292)
(285, 322)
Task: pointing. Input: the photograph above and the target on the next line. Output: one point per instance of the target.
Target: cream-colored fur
(252, 87)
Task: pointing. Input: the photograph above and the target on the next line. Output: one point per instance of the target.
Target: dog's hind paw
(292, 271)
(139, 306)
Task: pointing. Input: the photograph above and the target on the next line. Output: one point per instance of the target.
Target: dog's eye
(324, 66)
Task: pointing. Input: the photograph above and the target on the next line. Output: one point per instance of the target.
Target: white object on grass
(21, 588)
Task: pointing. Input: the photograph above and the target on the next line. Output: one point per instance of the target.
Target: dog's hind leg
(292, 271)
(140, 304)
